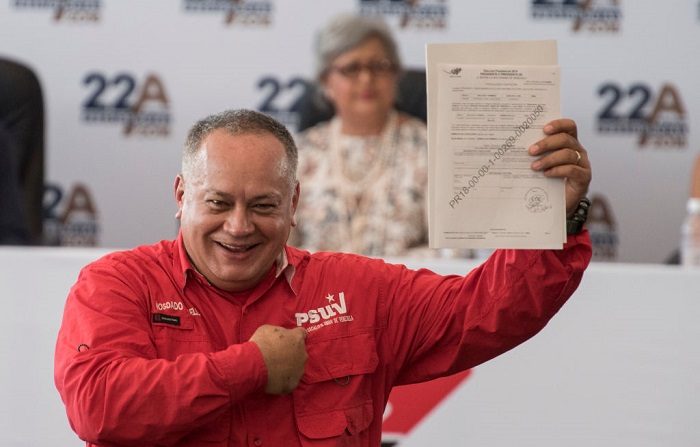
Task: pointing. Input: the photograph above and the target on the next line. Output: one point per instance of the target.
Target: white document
(482, 117)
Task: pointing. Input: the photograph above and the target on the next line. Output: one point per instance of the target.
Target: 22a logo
(587, 15)
(243, 12)
(71, 220)
(659, 119)
(282, 100)
(560, 2)
(426, 14)
(142, 107)
(602, 227)
(65, 10)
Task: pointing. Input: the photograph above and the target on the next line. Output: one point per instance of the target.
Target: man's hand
(561, 155)
(284, 352)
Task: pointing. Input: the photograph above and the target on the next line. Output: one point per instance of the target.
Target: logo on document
(417, 14)
(336, 311)
(65, 10)
(236, 12)
(537, 200)
(656, 117)
(141, 107)
(595, 16)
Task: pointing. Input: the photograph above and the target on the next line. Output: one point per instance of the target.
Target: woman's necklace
(355, 189)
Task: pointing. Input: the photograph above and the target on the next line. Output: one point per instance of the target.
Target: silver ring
(578, 157)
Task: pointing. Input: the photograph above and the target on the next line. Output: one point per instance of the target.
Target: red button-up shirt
(149, 353)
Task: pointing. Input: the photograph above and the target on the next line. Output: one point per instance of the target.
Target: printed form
(487, 103)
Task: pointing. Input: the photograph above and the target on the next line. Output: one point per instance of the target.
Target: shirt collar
(181, 262)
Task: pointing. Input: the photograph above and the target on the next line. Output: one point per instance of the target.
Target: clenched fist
(284, 352)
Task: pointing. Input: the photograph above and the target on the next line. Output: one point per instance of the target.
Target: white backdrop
(174, 61)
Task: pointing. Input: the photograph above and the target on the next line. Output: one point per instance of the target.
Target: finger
(553, 143)
(562, 125)
(566, 156)
(577, 176)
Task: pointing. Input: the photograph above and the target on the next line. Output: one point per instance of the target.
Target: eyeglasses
(375, 68)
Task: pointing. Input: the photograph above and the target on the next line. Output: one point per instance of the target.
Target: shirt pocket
(172, 340)
(333, 403)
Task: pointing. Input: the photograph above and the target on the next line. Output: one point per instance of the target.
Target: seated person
(21, 155)
(365, 171)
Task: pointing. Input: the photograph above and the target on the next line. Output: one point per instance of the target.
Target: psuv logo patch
(336, 311)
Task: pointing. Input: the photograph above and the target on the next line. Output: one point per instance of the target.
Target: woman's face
(361, 83)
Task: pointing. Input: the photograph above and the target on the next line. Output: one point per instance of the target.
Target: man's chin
(237, 282)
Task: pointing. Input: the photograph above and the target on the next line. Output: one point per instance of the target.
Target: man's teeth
(236, 248)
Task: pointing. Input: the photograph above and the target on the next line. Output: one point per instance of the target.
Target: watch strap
(574, 224)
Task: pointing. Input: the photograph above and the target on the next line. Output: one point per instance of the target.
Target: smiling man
(226, 336)
(237, 195)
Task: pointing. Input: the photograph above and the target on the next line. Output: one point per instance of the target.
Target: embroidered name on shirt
(168, 305)
(333, 312)
(167, 319)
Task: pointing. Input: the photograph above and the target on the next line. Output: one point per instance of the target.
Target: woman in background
(364, 172)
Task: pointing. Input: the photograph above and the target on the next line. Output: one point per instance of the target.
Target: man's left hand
(560, 155)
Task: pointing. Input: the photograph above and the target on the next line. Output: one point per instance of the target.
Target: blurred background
(123, 80)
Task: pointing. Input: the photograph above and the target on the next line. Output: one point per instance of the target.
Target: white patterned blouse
(363, 195)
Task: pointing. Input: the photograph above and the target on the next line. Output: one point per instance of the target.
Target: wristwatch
(574, 224)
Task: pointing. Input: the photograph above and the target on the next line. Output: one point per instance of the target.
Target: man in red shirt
(227, 336)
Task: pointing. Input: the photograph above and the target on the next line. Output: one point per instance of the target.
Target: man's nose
(238, 222)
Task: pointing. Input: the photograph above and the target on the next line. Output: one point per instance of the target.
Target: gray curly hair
(345, 32)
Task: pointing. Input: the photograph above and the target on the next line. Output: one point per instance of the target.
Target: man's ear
(179, 188)
(295, 202)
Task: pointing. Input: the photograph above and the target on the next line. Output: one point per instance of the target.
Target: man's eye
(264, 206)
(216, 203)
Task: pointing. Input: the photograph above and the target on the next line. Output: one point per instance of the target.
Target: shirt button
(257, 442)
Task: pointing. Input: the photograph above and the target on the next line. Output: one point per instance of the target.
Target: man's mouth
(237, 248)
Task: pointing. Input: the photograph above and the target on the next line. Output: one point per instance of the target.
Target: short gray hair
(237, 122)
(345, 32)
